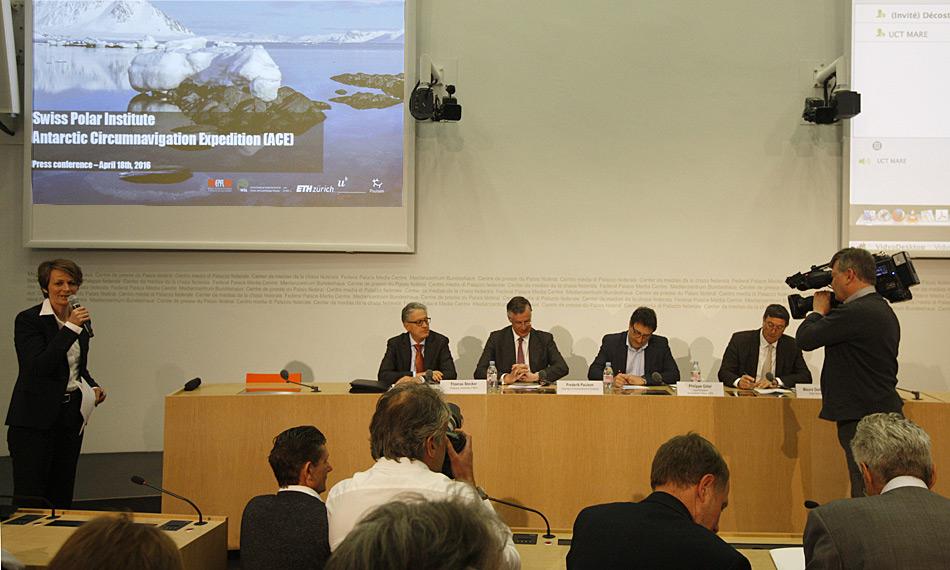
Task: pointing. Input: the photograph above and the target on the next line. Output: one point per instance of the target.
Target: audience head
(414, 533)
(300, 457)
(411, 420)
(642, 325)
(415, 318)
(774, 321)
(116, 543)
(852, 269)
(519, 315)
(691, 469)
(888, 445)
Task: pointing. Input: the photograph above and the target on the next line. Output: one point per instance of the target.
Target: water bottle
(608, 378)
(492, 376)
(696, 375)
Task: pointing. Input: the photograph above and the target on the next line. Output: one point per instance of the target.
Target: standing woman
(45, 417)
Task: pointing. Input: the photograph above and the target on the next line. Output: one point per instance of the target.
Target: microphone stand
(914, 393)
(52, 509)
(286, 378)
(140, 481)
(548, 536)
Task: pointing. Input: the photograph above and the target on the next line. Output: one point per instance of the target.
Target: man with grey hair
(417, 355)
(902, 523)
(416, 533)
(861, 336)
(409, 443)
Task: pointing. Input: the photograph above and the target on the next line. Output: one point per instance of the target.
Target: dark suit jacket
(658, 358)
(43, 371)
(860, 369)
(742, 357)
(286, 531)
(543, 355)
(906, 528)
(657, 532)
(397, 362)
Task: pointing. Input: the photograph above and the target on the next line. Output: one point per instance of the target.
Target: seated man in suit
(417, 355)
(636, 354)
(521, 353)
(409, 444)
(752, 355)
(290, 530)
(902, 523)
(674, 527)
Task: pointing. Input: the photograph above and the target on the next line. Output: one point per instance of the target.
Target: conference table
(33, 538)
(554, 453)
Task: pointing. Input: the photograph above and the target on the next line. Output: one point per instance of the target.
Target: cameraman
(861, 336)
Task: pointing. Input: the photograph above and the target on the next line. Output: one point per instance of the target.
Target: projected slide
(217, 103)
(900, 143)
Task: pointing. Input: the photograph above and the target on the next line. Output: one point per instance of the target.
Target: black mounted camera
(895, 276)
(456, 438)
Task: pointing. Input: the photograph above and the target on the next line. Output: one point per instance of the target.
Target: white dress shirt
(301, 489)
(903, 481)
(350, 499)
(636, 358)
(72, 354)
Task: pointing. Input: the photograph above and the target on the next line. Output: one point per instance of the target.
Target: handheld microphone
(74, 303)
(44, 500)
(484, 495)
(286, 377)
(192, 384)
(138, 480)
(809, 504)
(657, 380)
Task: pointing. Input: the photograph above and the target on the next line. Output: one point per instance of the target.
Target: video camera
(895, 276)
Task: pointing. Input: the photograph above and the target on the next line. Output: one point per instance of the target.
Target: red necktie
(520, 350)
(420, 363)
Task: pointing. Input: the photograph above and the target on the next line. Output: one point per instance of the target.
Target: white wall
(600, 139)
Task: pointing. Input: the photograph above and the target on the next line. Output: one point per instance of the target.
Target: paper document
(524, 386)
(636, 387)
(768, 391)
(788, 558)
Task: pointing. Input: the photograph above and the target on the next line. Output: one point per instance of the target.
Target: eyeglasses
(638, 334)
(420, 322)
(773, 326)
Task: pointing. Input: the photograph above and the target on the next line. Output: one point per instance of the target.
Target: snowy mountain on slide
(105, 19)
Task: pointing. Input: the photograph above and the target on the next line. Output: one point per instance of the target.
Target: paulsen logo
(220, 184)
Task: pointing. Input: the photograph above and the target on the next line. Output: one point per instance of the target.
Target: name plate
(464, 386)
(580, 388)
(808, 391)
(699, 389)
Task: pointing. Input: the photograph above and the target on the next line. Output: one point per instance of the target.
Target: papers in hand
(770, 391)
(788, 558)
(524, 386)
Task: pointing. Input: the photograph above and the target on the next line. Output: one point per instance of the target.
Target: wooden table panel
(554, 453)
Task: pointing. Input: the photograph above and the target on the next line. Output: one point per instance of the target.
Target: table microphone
(481, 493)
(914, 393)
(809, 504)
(192, 384)
(44, 500)
(286, 377)
(138, 480)
(74, 303)
(657, 379)
(770, 377)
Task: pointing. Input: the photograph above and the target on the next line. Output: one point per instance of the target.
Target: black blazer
(657, 532)
(397, 362)
(543, 355)
(742, 357)
(658, 358)
(43, 371)
(286, 531)
(860, 370)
